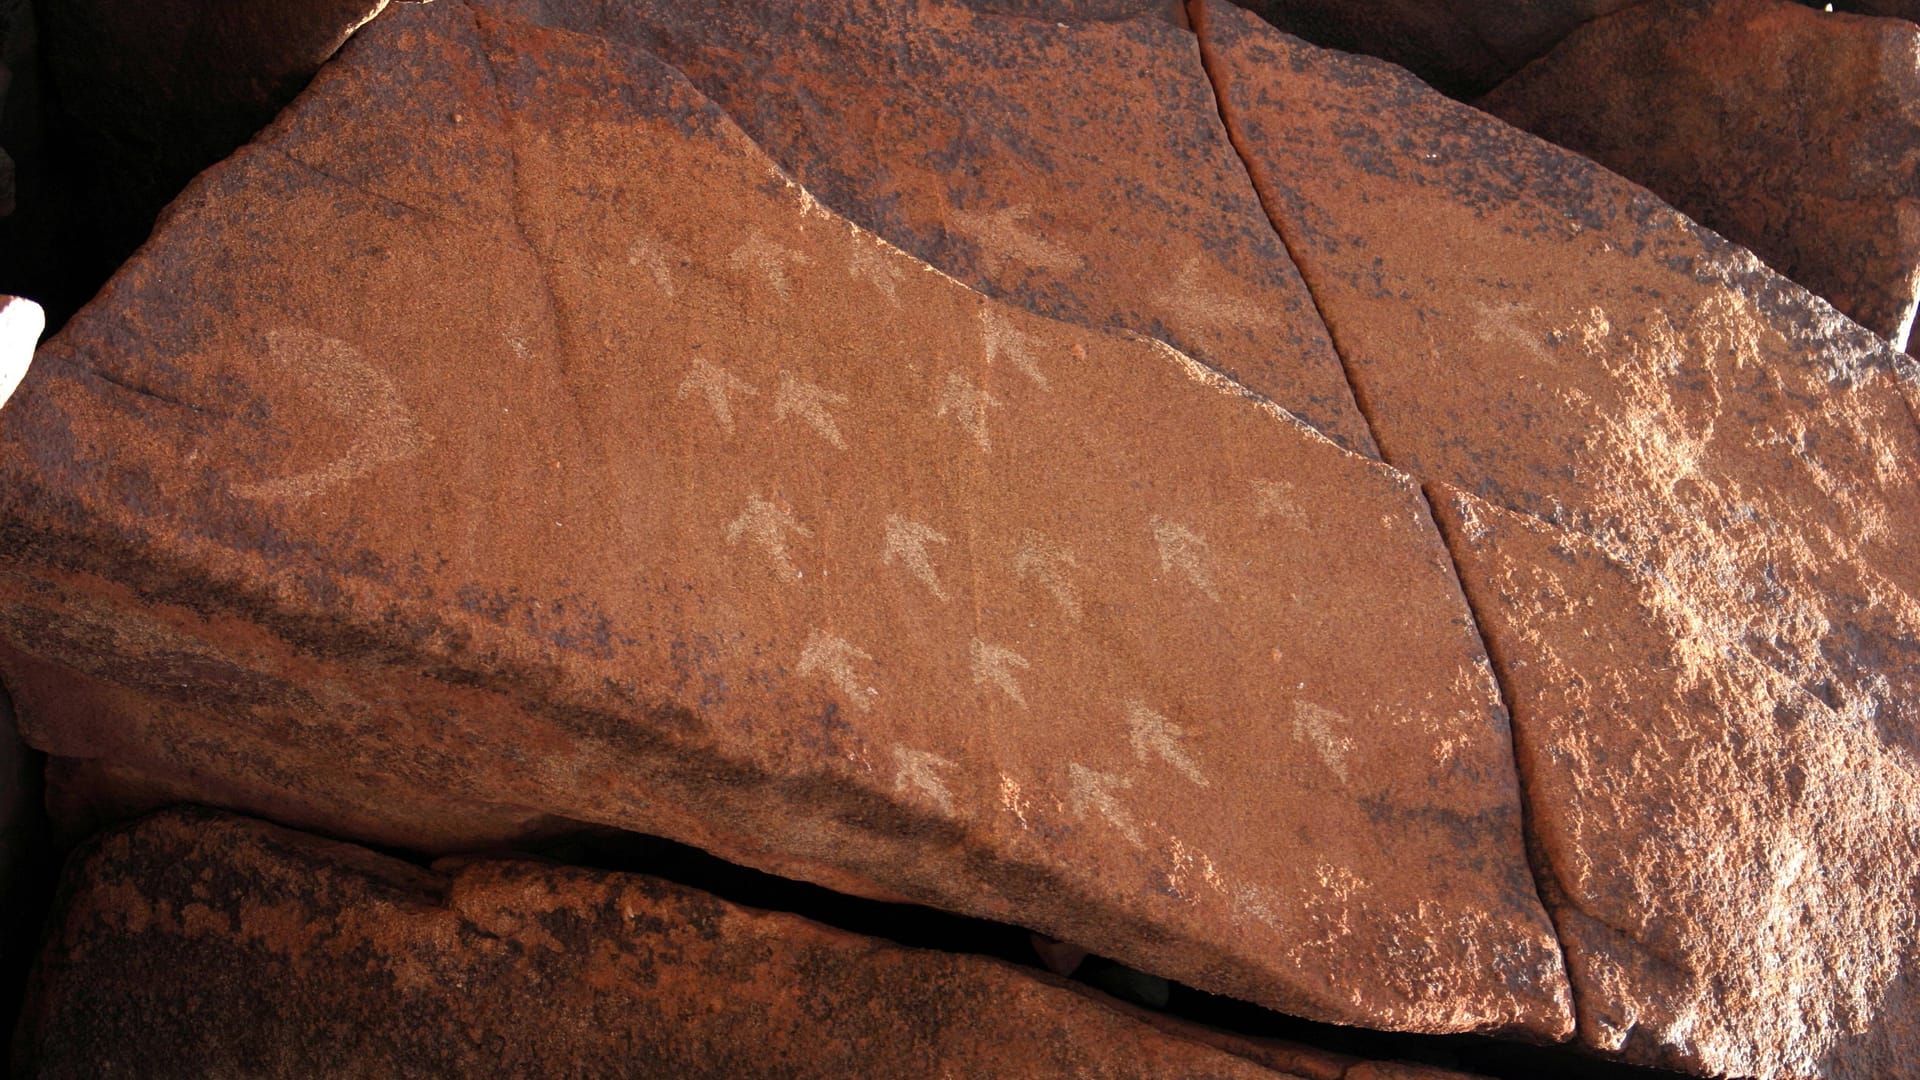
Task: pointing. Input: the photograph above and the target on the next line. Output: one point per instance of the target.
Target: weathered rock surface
(1792, 132)
(534, 442)
(1721, 844)
(1739, 450)
(1462, 47)
(1078, 169)
(196, 944)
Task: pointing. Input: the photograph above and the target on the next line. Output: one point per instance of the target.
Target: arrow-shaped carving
(767, 525)
(906, 544)
(1156, 736)
(772, 260)
(1088, 789)
(1003, 340)
(359, 394)
(717, 385)
(968, 407)
(993, 666)
(797, 397)
(1184, 550)
(1047, 562)
(834, 658)
(918, 770)
(1000, 234)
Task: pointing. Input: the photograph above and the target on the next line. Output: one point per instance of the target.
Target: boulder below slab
(1792, 132)
(536, 442)
(197, 944)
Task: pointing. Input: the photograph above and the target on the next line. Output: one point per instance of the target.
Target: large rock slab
(1462, 47)
(1718, 842)
(1077, 168)
(534, 442)
(1558, 344)
(196, 944)
(1792, 132)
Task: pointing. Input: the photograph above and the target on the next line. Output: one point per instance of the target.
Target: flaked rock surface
(1728, 443)
(1731, 865)
(536, 448)
(195, 944)
(1792, 132)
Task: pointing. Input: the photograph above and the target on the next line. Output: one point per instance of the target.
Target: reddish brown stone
(1463, 47)
(1553, 341)
(533, 441)
(1078, 169)
(1789, 131)
(203, 945)
(1732, 865)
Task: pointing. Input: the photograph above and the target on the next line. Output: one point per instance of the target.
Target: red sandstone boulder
(1077, 169)
(1789, 131)
(197, 945)
(1462, 47)
(535, 448)
(1715, 675)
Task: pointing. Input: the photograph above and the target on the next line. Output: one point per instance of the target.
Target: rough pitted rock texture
(196, 944)
(148, 94)
(1078, 169)
(1739, 450)
(1792, 132)
(1719, 841)
(535, 442)
(1462, 47)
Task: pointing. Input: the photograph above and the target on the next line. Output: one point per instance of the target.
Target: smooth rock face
(1791, 132)
(1732, 865)
(1697, 421)
(1078, 169)
(196, 945)
(1462, 47)
(535, 442)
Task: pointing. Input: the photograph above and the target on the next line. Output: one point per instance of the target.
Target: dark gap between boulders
(929, 928)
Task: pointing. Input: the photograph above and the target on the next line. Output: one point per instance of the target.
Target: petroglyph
(968, 406)
(1184, 550)
(1501, 322)
(1047, 562)
(1275, 499)
(834, 658)
(1088, 789)
(993, 666)
(1003, 340)
(645, 253)
(1321, 727)
(869, 259)
(810, 403)
(1156, 736)
(1000, 235)
(718, 386)
(359, 394)
(770, 260)
(1190, 293)
(906, 544)
(918, 770)
(767, 524)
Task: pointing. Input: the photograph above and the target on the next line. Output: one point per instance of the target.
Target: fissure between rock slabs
(1537, 866)
(929, 928)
